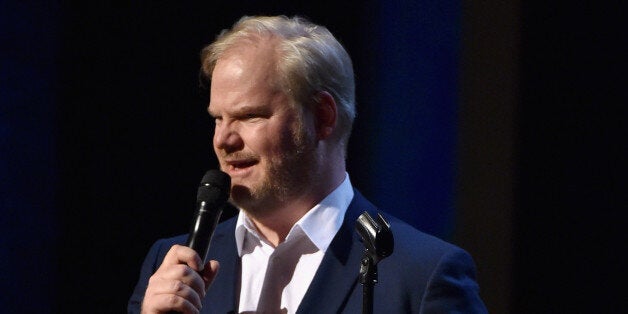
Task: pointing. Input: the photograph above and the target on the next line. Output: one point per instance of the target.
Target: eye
(251, 117)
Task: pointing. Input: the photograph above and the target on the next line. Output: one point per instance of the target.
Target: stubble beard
(288, 176)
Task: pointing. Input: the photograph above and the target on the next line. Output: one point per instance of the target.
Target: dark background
(496, 126)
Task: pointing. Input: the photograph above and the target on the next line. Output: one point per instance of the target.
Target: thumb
(209, 272)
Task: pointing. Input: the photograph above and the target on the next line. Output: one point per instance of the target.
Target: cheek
(273, 139)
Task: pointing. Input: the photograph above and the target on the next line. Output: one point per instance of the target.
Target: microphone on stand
(378, 243)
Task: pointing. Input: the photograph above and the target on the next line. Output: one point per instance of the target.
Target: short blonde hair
(310, 61)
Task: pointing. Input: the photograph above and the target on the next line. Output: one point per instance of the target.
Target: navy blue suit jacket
(423, 275)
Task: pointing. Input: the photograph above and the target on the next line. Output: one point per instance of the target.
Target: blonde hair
(310, 61)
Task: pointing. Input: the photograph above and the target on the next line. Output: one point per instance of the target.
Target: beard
(286, 177)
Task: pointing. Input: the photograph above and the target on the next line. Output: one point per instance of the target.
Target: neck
(275, 224)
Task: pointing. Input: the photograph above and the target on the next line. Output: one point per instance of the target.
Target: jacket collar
(339, 271)
(334, 281)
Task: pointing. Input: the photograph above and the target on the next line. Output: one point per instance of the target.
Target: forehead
(259, 55)
(249, 61)
(244, 72)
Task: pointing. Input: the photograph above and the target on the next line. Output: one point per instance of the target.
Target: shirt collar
(320, 224)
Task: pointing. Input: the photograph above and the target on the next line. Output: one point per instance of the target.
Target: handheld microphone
(212, 195)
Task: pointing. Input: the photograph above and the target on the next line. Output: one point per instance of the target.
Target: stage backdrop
(104, 133)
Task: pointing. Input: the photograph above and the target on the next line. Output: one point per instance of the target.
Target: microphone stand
(368, 279)
(378, 243)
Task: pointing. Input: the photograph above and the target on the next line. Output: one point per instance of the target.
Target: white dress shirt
(274, 280)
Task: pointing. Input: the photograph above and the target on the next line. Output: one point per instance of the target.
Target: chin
(240, 195)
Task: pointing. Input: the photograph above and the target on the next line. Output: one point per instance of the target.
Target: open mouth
(240, 165)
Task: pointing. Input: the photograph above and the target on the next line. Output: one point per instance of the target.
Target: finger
(179, 254)
(186, 275)
(209, 273)
(162, 303)
(161, 287)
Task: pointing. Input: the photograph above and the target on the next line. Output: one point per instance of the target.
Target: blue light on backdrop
(411, 136)
(27, 156)
(415, 112)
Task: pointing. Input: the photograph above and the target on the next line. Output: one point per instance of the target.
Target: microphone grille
(215, 186)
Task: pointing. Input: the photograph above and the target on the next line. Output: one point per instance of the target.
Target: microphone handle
(201, 233)
(203, 229)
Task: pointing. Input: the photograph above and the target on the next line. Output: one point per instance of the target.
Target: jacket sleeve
(152, 261)
(452, 287)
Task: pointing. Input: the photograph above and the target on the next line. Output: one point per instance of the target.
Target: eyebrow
(240, 109)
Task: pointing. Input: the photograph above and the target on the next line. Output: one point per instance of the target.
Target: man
(282, 96)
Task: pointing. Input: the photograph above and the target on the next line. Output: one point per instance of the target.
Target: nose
(227, 138)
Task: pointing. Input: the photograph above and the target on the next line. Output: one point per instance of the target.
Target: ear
(326, 114)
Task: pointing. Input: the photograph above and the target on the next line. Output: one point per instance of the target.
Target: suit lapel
(221, 297)
(335, 279)
(338, 273)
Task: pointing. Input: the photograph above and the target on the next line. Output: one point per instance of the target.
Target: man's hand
(180, 283)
